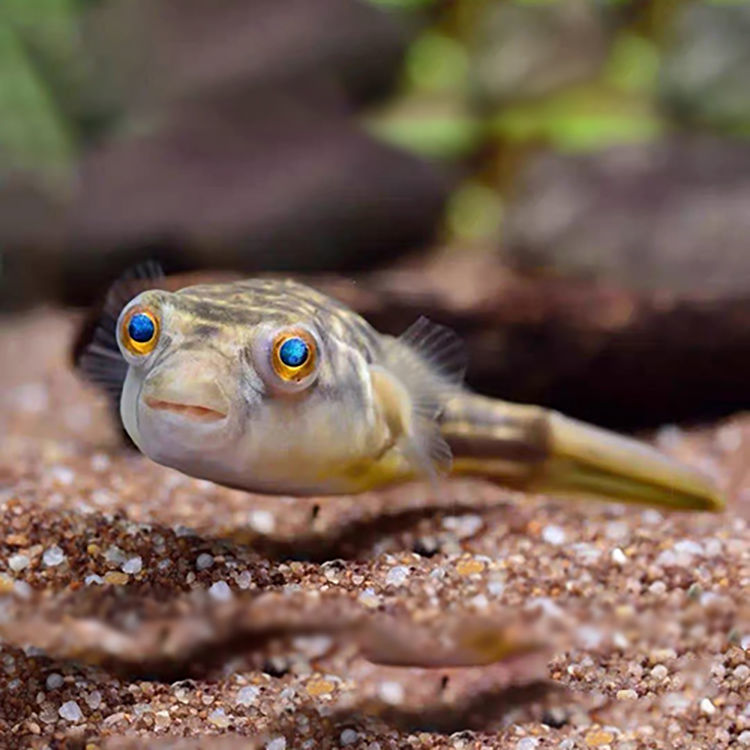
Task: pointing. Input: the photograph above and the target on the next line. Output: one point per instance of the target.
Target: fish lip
(194, 412)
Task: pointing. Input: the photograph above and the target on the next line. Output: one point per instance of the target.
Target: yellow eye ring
(294, 355)
(139, 331)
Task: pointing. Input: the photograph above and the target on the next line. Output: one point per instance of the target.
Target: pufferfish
(270, 386)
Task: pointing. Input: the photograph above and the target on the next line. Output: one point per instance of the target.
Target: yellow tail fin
(543, 451)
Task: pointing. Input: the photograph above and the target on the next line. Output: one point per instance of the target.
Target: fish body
(270, 386)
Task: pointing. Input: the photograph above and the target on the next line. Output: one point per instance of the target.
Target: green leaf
(32, 134)
(436, 62)
(443, 137)
(580, 120)
(633, 64)
(474, 212)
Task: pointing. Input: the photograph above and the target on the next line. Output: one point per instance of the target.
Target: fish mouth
(195, 412)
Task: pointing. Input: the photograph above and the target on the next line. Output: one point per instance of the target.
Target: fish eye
(294, 358)
(294, 352)
(140, 331)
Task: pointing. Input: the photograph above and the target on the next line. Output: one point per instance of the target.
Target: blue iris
(294, 352)
(141, 328)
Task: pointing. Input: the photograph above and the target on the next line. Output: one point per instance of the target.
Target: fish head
(261, 387)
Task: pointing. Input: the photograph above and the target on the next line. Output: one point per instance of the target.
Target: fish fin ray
(434, 446)
(438, 346)
(430, 361)
(422, 369)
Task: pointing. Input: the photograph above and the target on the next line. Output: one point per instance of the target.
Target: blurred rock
(706, 66)
(526, 50)
(670, 216)
(29, 219)
(273, 186)
(230, 143)
(596, 351)
(189, 49)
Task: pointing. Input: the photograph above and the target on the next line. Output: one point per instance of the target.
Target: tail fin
(542, 451)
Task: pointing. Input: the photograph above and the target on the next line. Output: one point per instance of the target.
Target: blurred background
(566, 184)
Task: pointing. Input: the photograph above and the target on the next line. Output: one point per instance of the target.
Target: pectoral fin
(420, 371)
(416, 435)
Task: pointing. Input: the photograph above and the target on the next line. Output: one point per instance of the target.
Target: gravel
(248, 695)
(220, 591)
(659, 601)
(132, 565)
(70, 711)
(54, 681)
(53, 556)
(554, 535)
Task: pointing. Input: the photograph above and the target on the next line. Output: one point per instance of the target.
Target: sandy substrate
(139, 606)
